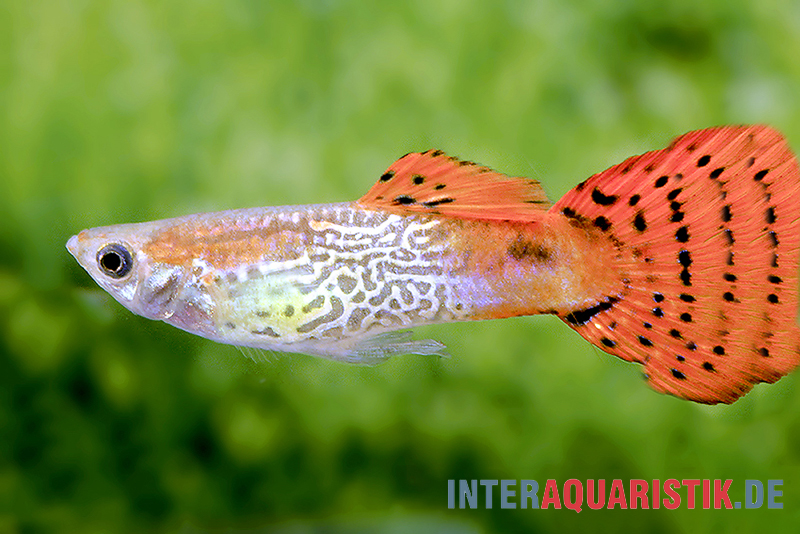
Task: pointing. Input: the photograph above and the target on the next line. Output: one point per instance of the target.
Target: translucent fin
(432, 182)
(258, 355)
(376, 349)
(707, 233)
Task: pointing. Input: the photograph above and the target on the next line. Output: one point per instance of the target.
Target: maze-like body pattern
(336, 276)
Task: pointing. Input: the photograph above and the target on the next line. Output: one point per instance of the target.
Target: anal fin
(376, 349)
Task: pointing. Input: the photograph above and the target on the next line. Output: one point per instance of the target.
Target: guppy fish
(684, 260)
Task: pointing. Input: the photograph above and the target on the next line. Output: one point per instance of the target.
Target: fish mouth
(72, 246)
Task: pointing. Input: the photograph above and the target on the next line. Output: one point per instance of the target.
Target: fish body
(326, 279)
(684, 260)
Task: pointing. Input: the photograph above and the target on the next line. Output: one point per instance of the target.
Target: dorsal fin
(708, 235)
(432, 182)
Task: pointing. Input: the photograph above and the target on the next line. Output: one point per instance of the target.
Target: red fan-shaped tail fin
(708, 234)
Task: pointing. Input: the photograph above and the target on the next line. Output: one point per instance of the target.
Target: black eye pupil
(114, 260)
(111, 261)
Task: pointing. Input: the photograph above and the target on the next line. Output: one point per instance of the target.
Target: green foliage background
(129, 110)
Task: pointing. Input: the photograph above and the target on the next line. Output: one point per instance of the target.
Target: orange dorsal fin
(708, 236)
(432, 182)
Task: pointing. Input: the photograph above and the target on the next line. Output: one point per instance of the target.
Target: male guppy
(683, 259)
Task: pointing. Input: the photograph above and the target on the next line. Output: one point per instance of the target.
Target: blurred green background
(129, 110)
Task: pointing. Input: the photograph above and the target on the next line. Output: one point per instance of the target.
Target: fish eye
(114, 260)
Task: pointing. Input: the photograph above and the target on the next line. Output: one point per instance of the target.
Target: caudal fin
(708, 236)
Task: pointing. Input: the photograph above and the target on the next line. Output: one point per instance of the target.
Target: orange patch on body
(530, 267)
(320, 226)
(224, 247)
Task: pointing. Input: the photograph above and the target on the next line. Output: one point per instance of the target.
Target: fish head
(115, 257)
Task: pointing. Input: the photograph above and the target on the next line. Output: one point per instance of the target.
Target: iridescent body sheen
(329, 279)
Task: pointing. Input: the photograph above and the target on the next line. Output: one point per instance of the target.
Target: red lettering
(617, 495)
(638, 492)
(551, 495)
(670, 486)
(574, 505)
(721, 494)
(656, 500)
(601, 494)
(690, 484)
(706, 494)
